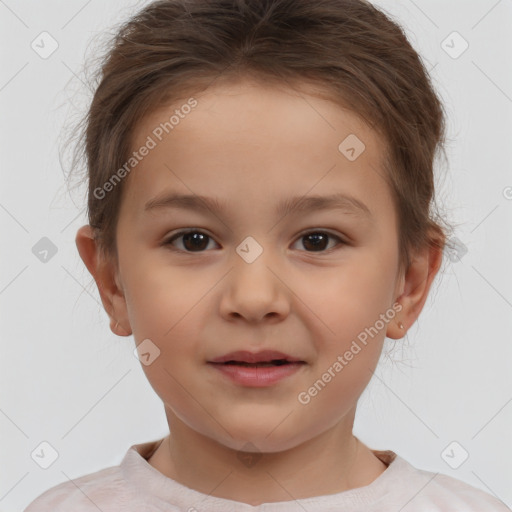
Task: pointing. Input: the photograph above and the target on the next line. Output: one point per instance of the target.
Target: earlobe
(396, 329)
(104, 273)
(117, 329)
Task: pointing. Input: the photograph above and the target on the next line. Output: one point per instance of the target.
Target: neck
(333, 462)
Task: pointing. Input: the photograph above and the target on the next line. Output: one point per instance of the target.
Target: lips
(262, 358)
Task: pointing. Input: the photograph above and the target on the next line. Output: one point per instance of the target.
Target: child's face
(250, 148)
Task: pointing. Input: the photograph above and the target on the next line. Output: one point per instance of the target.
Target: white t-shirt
(136, 486)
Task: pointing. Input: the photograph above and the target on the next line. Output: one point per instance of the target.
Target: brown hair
(356, 53)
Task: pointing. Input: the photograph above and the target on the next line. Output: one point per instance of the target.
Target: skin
(250, 146)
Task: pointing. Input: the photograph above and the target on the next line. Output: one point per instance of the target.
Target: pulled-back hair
(361, 58)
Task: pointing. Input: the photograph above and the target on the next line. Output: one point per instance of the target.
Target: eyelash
(168, 242)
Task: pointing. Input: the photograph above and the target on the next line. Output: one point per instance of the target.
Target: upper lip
(254, 357)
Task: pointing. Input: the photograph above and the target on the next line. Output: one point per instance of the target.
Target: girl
(260, 191)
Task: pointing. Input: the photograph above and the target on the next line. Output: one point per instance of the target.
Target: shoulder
(126, 487)
(104, 490)
(426, 490)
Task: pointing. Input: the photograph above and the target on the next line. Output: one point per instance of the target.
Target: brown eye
(197, 241)
(317, 241)
(192, 241)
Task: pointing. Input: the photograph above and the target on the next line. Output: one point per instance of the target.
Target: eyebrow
(346, 203)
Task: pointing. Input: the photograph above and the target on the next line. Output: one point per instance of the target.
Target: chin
(266, 439)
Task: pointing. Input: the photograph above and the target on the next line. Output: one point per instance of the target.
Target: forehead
(258, 108)
(249, 139)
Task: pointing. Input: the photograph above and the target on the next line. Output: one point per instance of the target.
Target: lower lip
(257, 377)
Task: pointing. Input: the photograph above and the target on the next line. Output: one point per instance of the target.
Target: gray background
(68, 381)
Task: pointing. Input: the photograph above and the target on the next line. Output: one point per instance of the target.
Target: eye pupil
(197, 238)
(317, 244)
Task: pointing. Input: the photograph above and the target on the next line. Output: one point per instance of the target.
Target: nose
(255, 291)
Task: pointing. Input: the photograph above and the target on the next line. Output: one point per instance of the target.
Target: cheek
(160, 298)
(167, 316)
(341, 302)
(167, 306)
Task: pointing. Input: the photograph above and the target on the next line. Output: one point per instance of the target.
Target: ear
(105, 273)
(415, 286)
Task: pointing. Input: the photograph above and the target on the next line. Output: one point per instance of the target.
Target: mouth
(262, 364)
(265, 358)
(257, 370)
